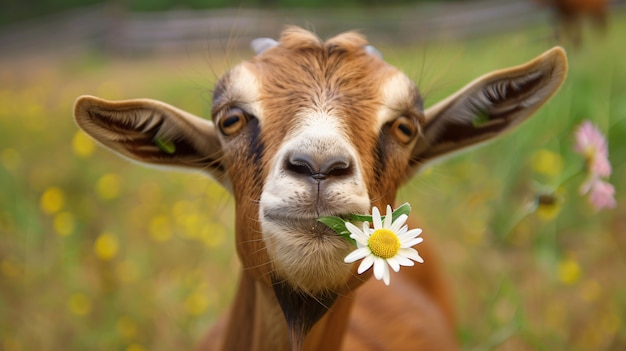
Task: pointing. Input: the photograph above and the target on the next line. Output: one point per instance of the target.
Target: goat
(570, 14)
(308, 128)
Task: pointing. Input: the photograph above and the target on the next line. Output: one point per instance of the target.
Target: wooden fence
(116, 31)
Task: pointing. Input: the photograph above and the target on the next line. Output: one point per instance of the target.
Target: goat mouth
(305, 225)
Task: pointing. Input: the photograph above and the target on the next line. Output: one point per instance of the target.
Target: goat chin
(308, 255)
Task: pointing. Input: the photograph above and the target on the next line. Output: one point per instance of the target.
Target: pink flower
(591, 143)
(601, 194)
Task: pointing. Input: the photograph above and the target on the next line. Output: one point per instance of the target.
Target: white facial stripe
(245, 90)
(396, 92)
(319, 124)
(291, 202)
(324, 137)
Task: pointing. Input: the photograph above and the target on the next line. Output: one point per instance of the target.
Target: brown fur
(287, 86)
(335, 76)
(414, 313)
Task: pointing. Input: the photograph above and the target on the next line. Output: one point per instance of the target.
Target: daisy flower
(388, 244)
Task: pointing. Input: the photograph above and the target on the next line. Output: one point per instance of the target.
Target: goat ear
(152, 132)
(490, 105)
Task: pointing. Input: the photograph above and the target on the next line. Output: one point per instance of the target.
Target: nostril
(317, 167)
(301, 164)
(337, 166)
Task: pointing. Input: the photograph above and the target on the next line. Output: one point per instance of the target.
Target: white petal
(379, 267)
(402, 230)
(410, 253)
(357, 234)
(366, 229)
(357, 255)
(410, 243)
(386, 276)
(398, 223)
(393, 263)
(367, 262)
(360, 241)
(378, 223)
(354, 229)
(410, 234)
(387, 223)
(403, 261)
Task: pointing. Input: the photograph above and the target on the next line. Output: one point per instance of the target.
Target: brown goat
(569, 17)
(305, 129)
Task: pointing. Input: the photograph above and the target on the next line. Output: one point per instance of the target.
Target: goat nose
(319, 167)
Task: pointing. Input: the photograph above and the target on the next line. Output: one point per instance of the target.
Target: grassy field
(97, 253)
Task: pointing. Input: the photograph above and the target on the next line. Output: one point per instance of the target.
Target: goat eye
(233, 121)
(404, 129)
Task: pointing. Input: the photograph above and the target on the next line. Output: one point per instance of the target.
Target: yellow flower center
(384, 243)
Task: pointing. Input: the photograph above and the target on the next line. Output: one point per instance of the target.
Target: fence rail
(113, 30)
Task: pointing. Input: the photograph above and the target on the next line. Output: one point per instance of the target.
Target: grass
(97, 253)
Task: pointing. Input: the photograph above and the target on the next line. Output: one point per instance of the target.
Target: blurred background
(97, 253)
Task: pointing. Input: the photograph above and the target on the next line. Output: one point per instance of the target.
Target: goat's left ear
(490, 105)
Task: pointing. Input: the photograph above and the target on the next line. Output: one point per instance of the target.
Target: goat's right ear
(152, 132)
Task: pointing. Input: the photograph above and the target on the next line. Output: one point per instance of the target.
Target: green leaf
(405, 208)
(360, 218)
(166, 146)
(338, 225)
(335, 223)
